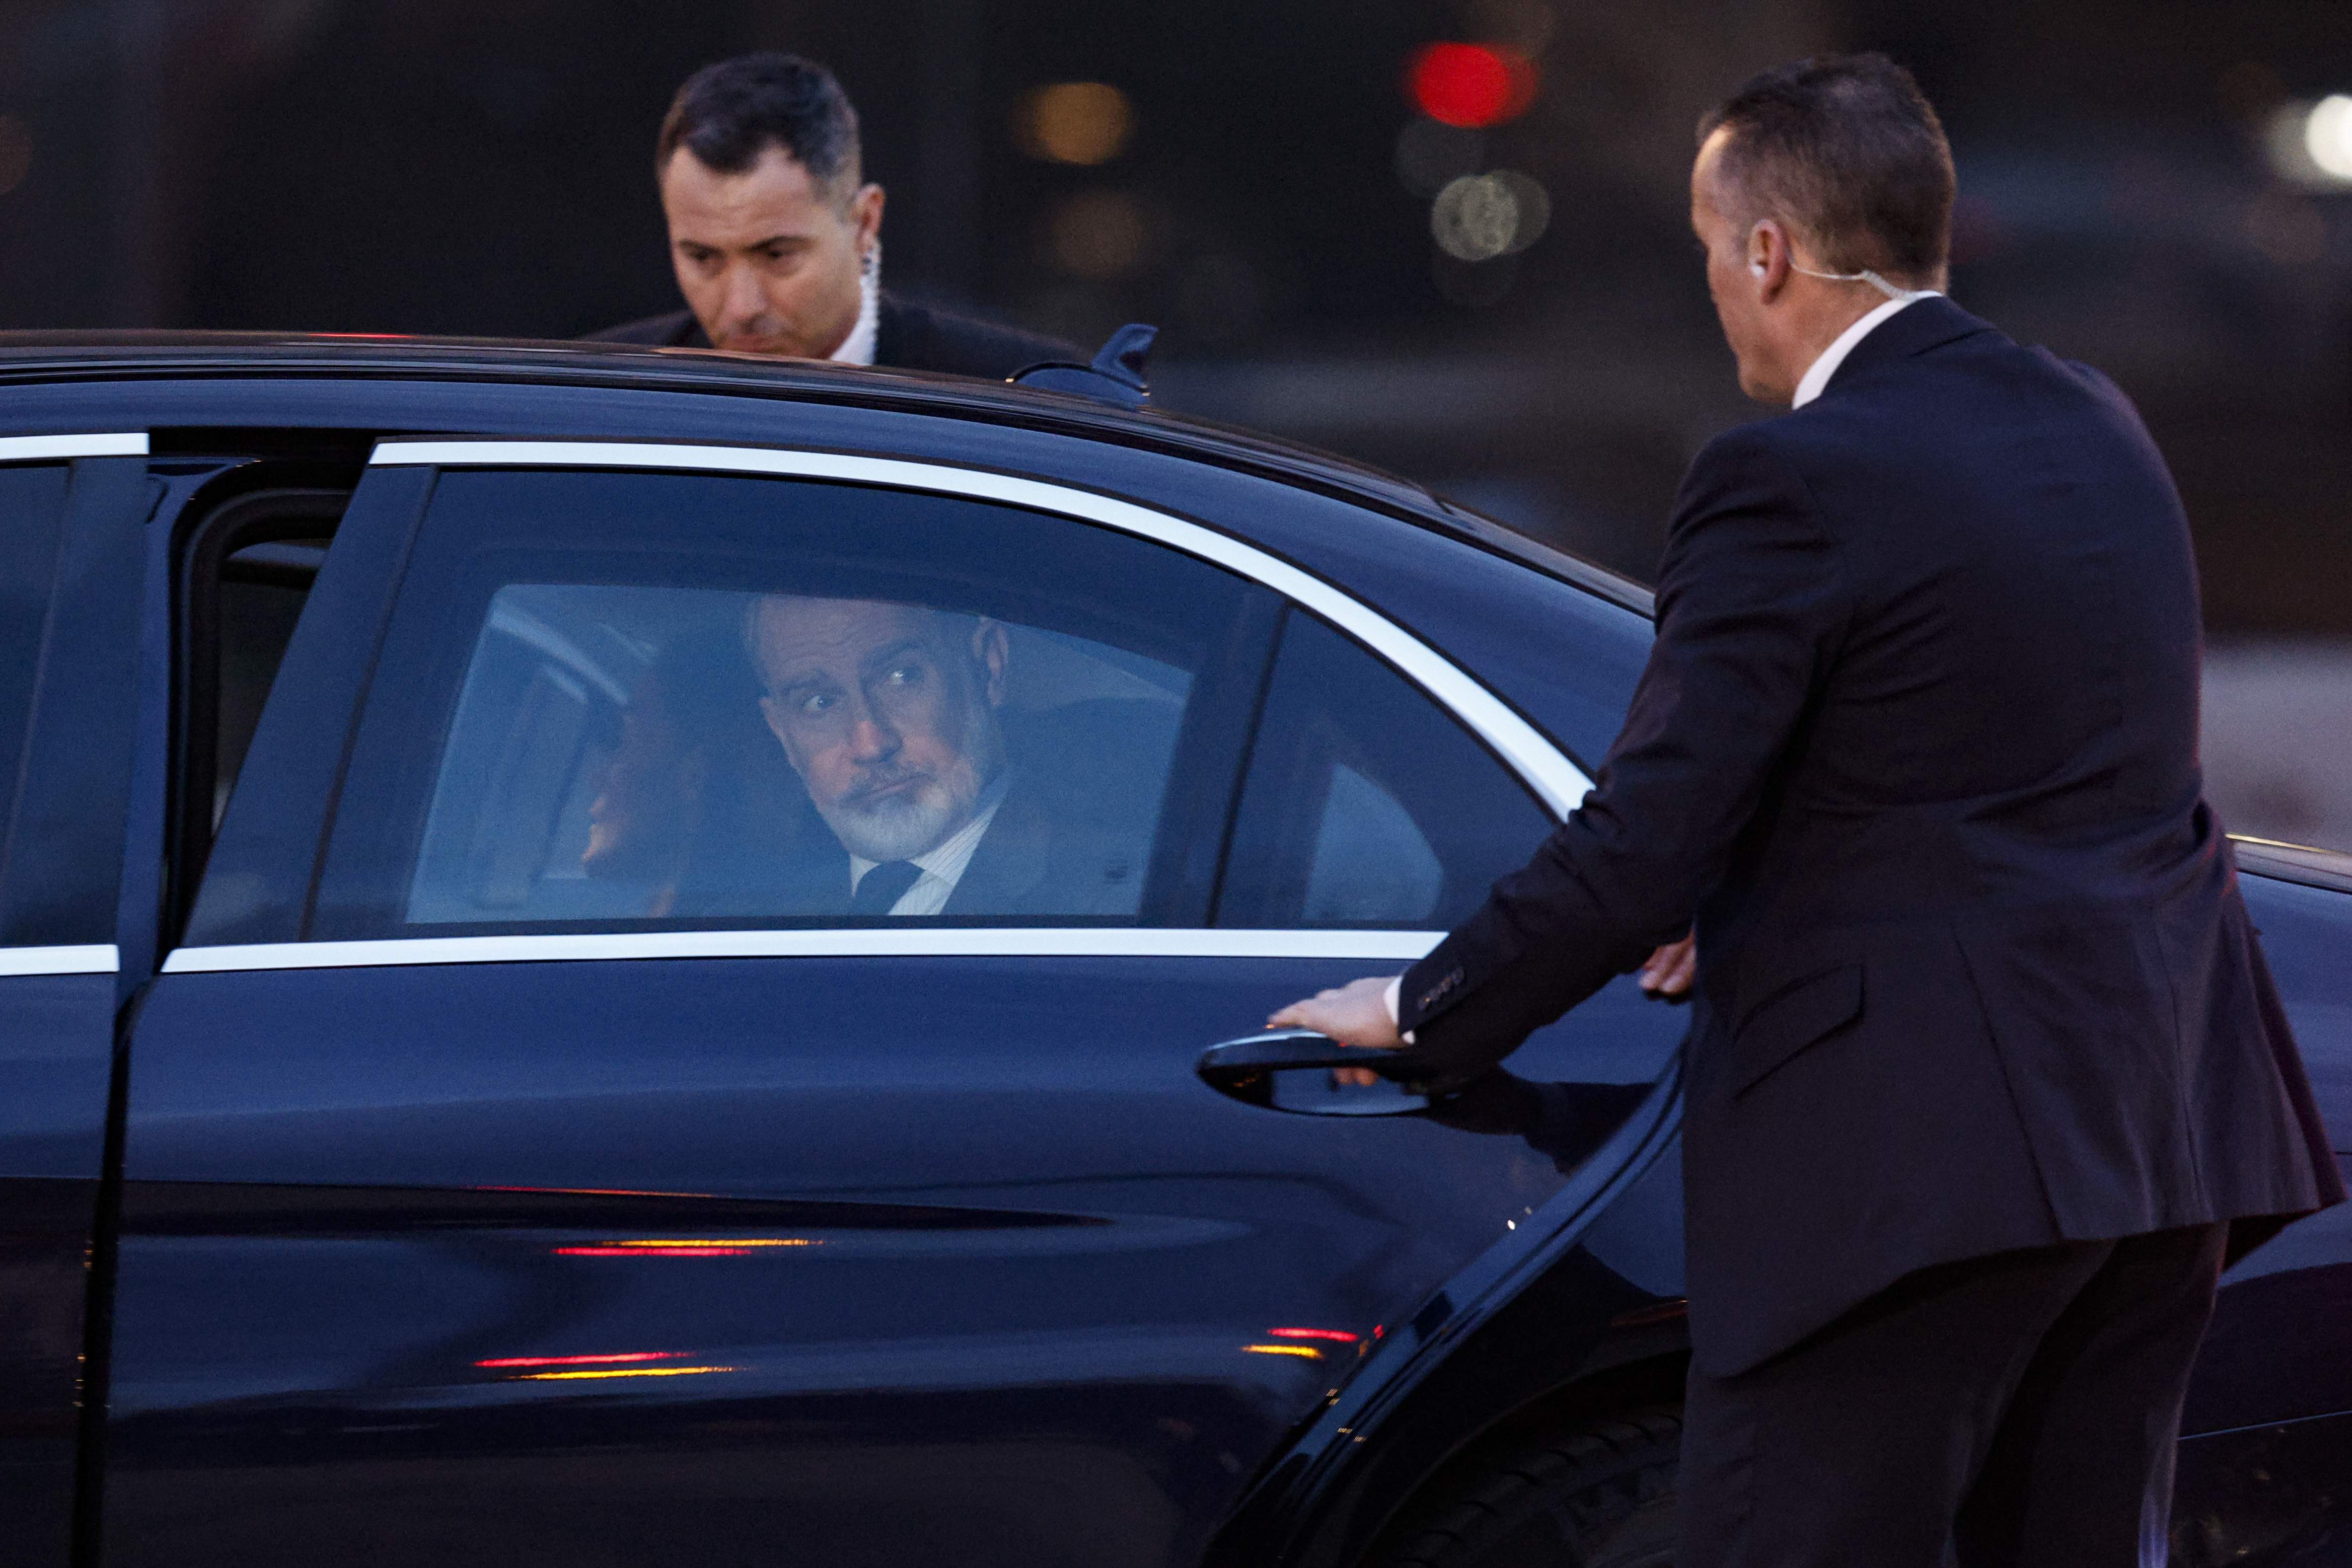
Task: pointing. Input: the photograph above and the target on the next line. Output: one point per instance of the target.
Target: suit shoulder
(1744, 465)
(1757, 441)
(2101, 386)
(1747, 495)
(917, 337)
(669, 332)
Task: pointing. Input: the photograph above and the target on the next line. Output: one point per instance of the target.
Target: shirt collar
(1817, 375)
(859, 347)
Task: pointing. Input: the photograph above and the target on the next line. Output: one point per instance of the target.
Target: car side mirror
(1292, 1070)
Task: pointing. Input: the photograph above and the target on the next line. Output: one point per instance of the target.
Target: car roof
(49, 357)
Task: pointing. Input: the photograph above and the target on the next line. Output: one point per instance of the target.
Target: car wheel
(1598, 1497)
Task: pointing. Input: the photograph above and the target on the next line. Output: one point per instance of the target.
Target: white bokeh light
(2327, 136)
(1479, 217)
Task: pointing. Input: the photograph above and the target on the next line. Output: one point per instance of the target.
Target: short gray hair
(1847, 151)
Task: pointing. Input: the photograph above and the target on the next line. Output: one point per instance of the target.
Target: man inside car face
(888, 712)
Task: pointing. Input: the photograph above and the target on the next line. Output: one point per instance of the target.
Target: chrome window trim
(40, 448)
(96, 958)
(1556, 780)
(841, 942)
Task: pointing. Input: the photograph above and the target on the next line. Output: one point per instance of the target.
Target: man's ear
(866, 216)
(1767, 257)
(990, 650)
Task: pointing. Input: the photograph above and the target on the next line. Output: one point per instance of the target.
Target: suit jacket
(907, 336)
(1917, 743)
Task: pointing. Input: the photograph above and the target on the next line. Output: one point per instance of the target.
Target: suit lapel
(1010, 861)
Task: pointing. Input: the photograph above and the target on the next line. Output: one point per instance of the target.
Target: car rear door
(534, 1154)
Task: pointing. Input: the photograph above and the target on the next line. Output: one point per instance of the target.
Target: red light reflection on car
(638, 1253)
(596, 1191)
(581, 1360)
(621, 1372)
(731, 1247)
(1340, 1335)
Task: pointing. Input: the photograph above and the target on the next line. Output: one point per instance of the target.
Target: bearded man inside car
(892, 717)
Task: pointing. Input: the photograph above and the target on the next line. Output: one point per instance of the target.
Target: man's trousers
(2015, 1411)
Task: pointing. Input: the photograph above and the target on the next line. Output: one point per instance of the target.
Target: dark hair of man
(729, 114)
(1846, 151)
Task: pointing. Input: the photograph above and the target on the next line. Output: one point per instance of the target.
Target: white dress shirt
(1816, 377)
(859, 347)
(943, 865)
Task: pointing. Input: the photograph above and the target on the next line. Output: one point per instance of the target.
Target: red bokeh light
(1470, 84)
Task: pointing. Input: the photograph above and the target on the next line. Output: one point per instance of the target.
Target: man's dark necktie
(883, 886)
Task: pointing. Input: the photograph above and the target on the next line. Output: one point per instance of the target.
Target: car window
(1365, 803)
(646, 701)
(247, 570)
(32, 507)
(261, 591)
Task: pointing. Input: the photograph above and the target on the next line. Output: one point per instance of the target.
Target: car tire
(1598, 1497)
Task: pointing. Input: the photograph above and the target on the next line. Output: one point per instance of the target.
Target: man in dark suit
(1987, 1077)
(777, 239)
(890, 714)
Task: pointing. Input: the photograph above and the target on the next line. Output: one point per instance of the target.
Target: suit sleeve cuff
(1391, 995)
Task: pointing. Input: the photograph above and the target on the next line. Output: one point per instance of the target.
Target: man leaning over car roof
(776, 235)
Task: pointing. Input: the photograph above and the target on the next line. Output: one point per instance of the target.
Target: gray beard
(895, 829)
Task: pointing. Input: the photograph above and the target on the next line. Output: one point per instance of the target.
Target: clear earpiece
(1892, 292)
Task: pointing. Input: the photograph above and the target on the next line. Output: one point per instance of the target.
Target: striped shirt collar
(944, 864)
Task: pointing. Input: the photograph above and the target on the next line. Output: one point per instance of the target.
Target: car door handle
(1252, 1070)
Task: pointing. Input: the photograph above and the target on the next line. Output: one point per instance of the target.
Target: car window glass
(1370, 861)
(1366, 803)
(613, 700)
(612, 754)
(260, 599)
(32, 505)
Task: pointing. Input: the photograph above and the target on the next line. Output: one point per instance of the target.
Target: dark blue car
(457, 1106)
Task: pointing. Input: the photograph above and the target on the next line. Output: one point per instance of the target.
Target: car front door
(72, 571)
(547, 1146)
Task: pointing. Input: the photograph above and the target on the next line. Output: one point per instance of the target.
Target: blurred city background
(1448, 239)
